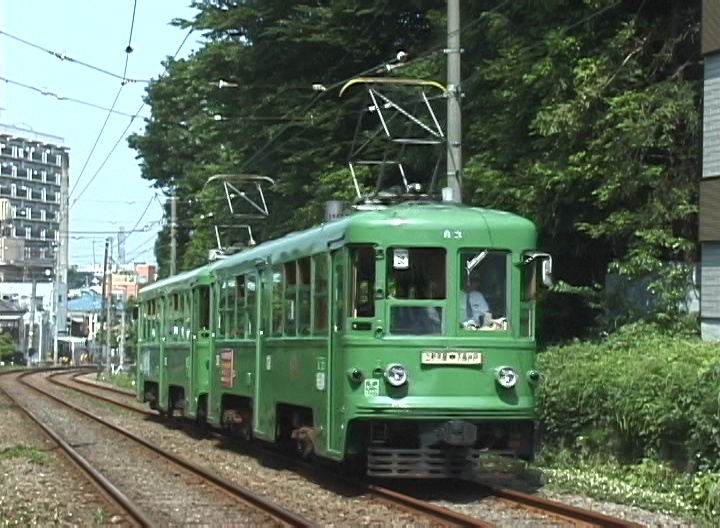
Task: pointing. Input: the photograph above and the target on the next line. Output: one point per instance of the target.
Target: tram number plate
(451, 358)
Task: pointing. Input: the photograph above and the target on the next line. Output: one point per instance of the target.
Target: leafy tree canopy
(583, 116)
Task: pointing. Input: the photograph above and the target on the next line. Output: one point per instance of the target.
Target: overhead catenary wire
(122, 135)
(154, 198)
(59, 97)
(65, 57)
(112, 107)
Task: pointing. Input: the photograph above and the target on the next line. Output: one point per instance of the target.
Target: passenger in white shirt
(473, 305)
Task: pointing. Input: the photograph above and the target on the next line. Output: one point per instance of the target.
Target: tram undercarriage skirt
(457, 462)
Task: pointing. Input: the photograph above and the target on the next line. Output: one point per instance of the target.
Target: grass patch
(33, 454)
(124, 380)
(648, 485)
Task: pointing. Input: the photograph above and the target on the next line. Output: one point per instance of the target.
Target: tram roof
(316, 239)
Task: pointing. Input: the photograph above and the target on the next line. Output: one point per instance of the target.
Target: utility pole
(31, 334)
(108, 313)
(121, 237)
(173, 233)
(103, 297)
(454, 95)
(121, 347)
(62, 258)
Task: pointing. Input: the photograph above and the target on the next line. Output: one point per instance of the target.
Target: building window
(13, 190)
(28, 174)
(58, 159)
(45, 156)
(57, 178)
(44, 176)
(13, 171)
(28, 232)
(13, 211)
(43, 195)
(21, 152)
(43, 234)
(43, 212)
(14, 151)
(28, 213)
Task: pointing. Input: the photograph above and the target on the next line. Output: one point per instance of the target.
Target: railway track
(148, 507)
(565, 514)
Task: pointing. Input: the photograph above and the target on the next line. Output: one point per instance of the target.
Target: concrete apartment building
(33, 185)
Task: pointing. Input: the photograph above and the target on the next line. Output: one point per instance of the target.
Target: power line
(65, 57)
(132, 119)
(45, 91)
(128, 50)
(383, 67)
(133, 230)
(122, 136)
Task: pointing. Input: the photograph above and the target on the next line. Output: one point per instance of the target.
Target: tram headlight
(355, 375)
(396, 375)
(535, 377)
(506, 377)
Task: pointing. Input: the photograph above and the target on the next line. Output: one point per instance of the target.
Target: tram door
(337, 316)
(198, 367)
(264, 303)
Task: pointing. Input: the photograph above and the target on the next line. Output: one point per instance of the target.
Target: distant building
(127, 282)
(709, 215)
(30, 175)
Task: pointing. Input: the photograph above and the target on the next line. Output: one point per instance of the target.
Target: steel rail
(134, 515)
(233, 490)
(128, 406)
(558, 509)
(125, 392)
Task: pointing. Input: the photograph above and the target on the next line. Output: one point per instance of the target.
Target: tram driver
(474, 309)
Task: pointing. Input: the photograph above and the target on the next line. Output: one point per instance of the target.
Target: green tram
(400, 341)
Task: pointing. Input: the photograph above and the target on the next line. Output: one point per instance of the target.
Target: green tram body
(348, 341)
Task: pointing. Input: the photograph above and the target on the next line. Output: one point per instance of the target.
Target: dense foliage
(642, 405)
(638, 394)
(583, 116)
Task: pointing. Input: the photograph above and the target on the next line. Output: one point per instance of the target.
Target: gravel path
(326, 507)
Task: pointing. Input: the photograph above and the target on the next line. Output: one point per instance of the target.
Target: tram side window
(290, 269)
(151, 322)
(363, 280)
(251, 303)
(240, 308)
(320, 294)
(303, 296)
(278, 301)
(226, 325)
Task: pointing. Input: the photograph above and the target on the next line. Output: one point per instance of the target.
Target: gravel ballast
(293, 491)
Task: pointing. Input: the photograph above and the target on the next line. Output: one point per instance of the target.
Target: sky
(107, 190)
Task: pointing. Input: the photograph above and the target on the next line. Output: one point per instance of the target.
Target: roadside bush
(639, 394)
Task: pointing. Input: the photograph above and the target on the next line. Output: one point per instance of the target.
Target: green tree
(583, 116)
(7, 346)
(590, 125)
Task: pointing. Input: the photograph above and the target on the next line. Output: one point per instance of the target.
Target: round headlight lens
(396, 375)
(506, 377)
